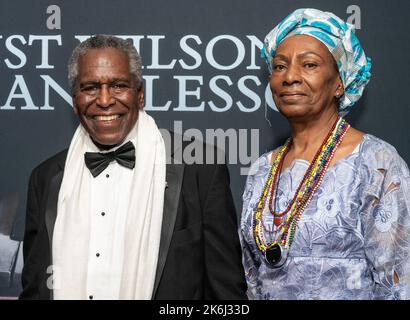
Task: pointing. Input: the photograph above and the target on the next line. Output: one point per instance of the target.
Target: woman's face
(304, 80)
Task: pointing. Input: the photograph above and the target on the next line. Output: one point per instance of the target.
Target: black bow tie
(97, 161)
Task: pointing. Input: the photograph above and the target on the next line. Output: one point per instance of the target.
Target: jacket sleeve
(29, 275)
(224, 272)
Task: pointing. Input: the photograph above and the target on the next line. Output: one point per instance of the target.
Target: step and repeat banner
(203, 77)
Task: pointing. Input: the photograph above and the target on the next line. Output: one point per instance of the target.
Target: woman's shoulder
(379, 153)
(255, 182)
(260, 164)
(263, 163)
(258, 171)
(372, 142)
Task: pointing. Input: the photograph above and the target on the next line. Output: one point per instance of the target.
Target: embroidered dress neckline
(356, 151)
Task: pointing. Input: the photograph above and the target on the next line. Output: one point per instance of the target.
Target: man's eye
(119, 86)
(89, 88)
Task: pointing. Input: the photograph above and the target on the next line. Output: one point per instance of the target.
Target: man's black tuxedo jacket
(199, 256)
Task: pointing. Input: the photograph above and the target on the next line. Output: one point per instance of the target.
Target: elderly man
(108, 218)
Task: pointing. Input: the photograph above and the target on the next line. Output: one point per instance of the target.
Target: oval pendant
(276, 255)
(277, 221)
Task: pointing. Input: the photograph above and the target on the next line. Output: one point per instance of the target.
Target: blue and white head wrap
(339, 38)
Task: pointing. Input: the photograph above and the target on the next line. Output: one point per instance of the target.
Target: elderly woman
(326, 215)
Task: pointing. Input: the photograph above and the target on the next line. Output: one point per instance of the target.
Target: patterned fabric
(351, 239)
(339, 38)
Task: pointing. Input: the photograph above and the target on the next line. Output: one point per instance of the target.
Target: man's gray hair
(101, 41)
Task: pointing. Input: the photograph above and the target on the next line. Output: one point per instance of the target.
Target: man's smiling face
(106, 98)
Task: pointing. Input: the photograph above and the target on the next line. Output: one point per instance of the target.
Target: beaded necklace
(276, 252)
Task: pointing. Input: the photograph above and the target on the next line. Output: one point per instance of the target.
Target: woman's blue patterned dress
(352, 239)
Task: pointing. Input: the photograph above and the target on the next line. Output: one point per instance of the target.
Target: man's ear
(141, 98)
(75, 109)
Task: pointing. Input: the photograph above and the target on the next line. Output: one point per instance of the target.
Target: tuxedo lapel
(174, 177)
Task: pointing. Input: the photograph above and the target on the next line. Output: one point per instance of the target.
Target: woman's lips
(289, 97)
(285, 94)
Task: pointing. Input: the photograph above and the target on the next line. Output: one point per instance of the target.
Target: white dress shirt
(107, 231)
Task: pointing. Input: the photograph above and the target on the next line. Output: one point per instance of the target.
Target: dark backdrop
(220, 67)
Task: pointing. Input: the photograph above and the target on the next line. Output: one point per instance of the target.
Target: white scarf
(143, 225)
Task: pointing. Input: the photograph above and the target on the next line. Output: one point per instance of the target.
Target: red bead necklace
(278, 215)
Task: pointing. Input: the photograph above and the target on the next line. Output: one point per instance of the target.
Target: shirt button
(90, 297)
(103, 214)
(97, 254)
(107, 175)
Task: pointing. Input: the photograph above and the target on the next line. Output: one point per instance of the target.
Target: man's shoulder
(52, 164)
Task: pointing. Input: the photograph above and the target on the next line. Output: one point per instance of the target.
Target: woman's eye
(310, 65)
(278, 67)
